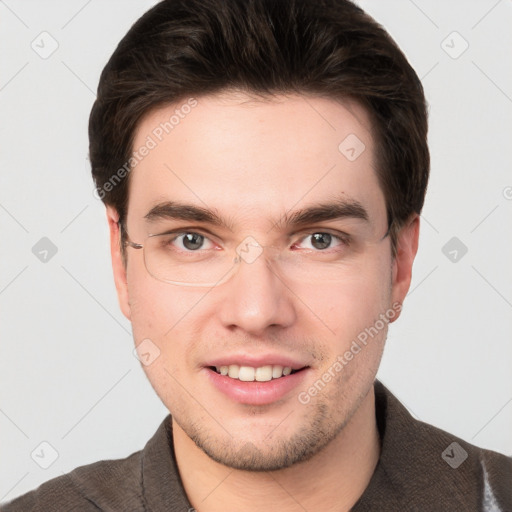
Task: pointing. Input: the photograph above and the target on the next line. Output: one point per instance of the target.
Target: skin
(251, 161)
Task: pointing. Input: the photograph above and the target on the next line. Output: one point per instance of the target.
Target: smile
(250, 374)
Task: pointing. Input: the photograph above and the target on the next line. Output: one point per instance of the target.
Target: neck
(333, 479)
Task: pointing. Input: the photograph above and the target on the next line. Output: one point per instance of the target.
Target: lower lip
(256, 393)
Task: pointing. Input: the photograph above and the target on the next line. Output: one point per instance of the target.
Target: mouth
(260, 384)
(259, 374)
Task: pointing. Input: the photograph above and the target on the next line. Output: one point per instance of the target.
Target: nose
(256, 298)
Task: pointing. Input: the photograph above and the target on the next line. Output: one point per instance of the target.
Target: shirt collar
(409, 475)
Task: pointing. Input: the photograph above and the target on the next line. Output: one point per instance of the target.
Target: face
(297, 175)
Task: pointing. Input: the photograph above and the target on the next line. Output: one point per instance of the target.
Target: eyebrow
(172, 210)
(338, 209)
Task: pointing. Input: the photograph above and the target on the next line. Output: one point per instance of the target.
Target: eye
(321, 241)
(191, 241)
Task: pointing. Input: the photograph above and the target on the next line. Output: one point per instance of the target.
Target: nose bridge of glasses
(250, 250)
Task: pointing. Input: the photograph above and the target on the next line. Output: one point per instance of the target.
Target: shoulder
(146, 480)
(423, 467)
(104, 485)
(468, 469)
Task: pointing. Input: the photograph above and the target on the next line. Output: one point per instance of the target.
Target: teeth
(277, 371)
(250, 374)
(233, 371)
(246, 374)
(263, 373)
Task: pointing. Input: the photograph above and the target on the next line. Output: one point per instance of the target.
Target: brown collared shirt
(421, 468)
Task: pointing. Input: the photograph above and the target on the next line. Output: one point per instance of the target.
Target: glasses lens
(186, 259)
(183, 261)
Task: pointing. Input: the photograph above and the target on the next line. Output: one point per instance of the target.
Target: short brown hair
(331, 48)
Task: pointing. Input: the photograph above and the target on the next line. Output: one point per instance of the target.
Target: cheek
(161, 312)
(355, 302)
(163, 325)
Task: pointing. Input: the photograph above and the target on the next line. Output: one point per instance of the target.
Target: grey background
(68, 375)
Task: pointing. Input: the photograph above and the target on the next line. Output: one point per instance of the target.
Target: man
(263, 166)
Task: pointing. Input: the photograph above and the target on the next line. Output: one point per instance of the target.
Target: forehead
(253, 159)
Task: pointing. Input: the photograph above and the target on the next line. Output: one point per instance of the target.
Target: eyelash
(343, 238)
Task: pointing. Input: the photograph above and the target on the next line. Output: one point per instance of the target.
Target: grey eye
(192, 241)
(321, 240)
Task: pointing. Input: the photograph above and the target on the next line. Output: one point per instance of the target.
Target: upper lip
(257, 361)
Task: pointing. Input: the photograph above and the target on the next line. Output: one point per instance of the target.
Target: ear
(117, 261)
(407, 247)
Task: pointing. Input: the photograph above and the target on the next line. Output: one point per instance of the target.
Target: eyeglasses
(194, 258)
